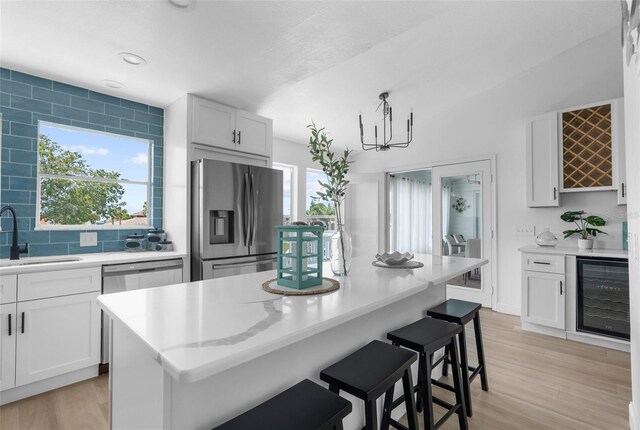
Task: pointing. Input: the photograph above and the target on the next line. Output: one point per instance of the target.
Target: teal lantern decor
(299, 256)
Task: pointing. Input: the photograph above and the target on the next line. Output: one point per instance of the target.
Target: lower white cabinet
(543, 298)
(7, 346)
(50, 336)
(57, 336)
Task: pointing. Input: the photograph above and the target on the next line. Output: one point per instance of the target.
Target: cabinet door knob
(623, 191)
(555, 193)
(560, 287)
(9, 324)
(239, 137)
(234, 136)
(22, 330)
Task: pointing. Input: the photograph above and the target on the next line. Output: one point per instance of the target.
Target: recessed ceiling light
(132, 59)
(180, 3)
(113, 84)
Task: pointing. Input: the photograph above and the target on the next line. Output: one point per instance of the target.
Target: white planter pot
(585, 243)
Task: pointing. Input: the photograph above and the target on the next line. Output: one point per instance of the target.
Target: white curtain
(446, 209)
(410, 208)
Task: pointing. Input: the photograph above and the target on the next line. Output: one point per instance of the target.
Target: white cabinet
(8, 288)
(55, 326)
(543, 289)
(543, 299)
(576, 150)
(619, 151)
(228, 128)
(212, 123)
(57, 336)
(7, 346)
(542, 161)
(254, 133)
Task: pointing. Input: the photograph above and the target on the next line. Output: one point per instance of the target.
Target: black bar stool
(305, 406)
(370, 372)
(461, 312)
(427, 336)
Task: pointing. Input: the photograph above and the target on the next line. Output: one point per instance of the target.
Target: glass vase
(340, 252)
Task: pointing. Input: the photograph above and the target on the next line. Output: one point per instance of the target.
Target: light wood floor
(535, 382)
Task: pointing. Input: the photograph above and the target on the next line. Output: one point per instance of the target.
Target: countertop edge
(553, 250)
(91, 260)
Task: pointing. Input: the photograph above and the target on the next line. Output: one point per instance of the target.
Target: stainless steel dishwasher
(117, 278)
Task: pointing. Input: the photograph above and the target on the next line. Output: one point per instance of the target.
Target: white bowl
(395, 258)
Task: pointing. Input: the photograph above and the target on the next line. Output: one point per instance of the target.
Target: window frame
(41, 176)
(293, 172)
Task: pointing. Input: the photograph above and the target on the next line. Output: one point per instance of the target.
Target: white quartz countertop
(61, 262)
(198, 329)
(558, 250)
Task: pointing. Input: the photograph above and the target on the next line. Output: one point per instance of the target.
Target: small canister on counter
(134, 243)
(163, 245)
(154, 236)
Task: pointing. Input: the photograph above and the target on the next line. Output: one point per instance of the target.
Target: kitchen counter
(85, 260)
(557, 250)
(193, 355)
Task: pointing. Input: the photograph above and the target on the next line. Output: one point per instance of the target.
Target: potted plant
(336, 169)
(586, 227)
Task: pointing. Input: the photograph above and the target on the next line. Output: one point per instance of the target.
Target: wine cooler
(603, 297)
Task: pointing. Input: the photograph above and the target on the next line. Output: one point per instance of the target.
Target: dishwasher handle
(141, 267)
(244, 263)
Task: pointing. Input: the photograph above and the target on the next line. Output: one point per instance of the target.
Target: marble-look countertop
(86, 260)
(559, 250)
(198, 329)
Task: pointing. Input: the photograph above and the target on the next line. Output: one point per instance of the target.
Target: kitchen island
(195, 355)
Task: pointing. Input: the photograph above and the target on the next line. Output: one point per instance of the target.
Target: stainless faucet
(15, 249)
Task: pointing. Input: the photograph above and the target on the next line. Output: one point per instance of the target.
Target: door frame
(492, 158)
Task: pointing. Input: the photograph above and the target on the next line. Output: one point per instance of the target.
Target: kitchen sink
(43, 260)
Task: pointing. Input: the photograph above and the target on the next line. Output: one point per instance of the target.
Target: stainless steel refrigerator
(234, 209)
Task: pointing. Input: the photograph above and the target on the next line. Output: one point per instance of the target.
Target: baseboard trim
(634, 420)
(24, 391)
(507, 309)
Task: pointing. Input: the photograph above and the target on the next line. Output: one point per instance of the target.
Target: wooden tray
(327, 286)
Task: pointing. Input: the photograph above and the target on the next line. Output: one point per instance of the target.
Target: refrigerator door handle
(246, 210)
(254, 209)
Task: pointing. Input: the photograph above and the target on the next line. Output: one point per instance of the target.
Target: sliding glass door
(462, 214)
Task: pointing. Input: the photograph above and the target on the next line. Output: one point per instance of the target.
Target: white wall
(295, 154)
(632, 132)
(494, 122)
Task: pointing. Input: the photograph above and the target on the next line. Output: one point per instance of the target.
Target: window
(317, 209)
(288, 179)
(91, 178)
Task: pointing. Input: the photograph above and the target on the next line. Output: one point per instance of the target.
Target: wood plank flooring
(535, 382)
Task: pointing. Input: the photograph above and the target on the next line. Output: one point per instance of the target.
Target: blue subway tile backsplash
(26, 99)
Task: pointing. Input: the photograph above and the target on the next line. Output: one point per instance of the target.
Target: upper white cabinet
(575, 150)
(542, 161)
(212, 123)
(619, 151)
(228, 128)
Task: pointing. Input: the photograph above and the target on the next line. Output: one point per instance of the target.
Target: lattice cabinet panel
(587, 148)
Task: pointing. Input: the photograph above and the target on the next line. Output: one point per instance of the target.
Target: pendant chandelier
(387, 116)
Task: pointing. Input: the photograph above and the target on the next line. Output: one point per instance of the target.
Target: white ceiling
(295, 61)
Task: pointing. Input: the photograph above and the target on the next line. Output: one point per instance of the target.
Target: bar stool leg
(445, 362)
(386, 410)
(457, 383)
(407, 384)
(370, 415)
(480, 349)
(464, 369)
(425, 386)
